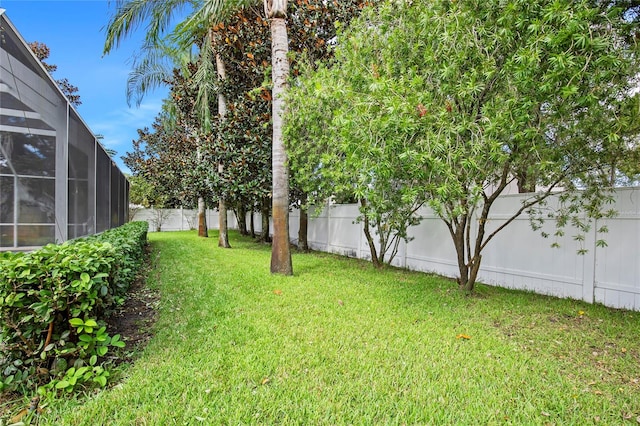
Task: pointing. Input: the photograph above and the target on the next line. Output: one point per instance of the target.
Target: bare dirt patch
(134, 320)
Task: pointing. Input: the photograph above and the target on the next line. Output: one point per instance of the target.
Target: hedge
(53, 306)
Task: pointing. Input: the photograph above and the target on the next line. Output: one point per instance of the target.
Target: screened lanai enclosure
(56, 180)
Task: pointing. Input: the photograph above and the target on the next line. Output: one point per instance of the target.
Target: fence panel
(517, 257)
(617, 266)
(521, 258)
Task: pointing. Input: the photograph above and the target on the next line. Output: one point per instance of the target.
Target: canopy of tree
(450, 103)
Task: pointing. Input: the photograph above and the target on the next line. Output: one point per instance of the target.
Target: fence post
(404, 254)
(589, 264)
(361, 230)
(329, 227)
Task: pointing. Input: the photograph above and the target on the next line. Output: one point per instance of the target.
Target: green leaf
(62, 384)
(601, 243)
(76, 322)
(85, 278)
(101, 380)
(91, 323)
(80, 371)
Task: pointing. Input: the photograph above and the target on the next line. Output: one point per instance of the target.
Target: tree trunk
(367, 234)
(612, 174)
(476, 260)
(474, 267)
(264, 235)
(252, 225)
(223, 240)
(524, 184)
(241, 216)
(469, 255)
(275, 8)
(280, 251)
(202, 218)
(463, 269)
(304, 226)
(457, 227)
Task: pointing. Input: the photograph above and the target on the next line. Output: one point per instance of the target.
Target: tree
(165, 158)
(156, 63)
(469, 96)
(140, 191)
(131, 12)
(243, 43)
(280, 253)
(329, 158)
(42, 52)
(208, 13)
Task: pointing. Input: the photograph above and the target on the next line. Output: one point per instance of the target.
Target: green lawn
(343, 343)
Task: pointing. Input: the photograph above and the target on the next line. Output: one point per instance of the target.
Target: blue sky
(74, 32)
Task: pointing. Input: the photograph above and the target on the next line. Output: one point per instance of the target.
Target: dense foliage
(180, 158)
(451, 103)
(53, 303)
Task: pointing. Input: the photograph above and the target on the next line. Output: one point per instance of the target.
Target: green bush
(53, 303)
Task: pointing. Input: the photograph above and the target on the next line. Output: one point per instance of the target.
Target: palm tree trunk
(280, 251)
(223, 236)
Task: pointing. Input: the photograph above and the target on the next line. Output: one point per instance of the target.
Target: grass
(343, 343)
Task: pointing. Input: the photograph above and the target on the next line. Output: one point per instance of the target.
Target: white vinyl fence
(517, 257)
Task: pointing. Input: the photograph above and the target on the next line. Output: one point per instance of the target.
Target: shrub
(53, 302)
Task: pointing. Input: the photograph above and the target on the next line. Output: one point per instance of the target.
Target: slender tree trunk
(383, 239)
(469, 256)
(367, 234)
(264, 237)
(474, 267)
(280, 251)
(241, 216)
(223, 236)
(458, 241)
(252, 225)
(202, 218)
(476, 260)
(612, 174)
(524, 184)
(457, 227)
(223, 240)
(304, 226)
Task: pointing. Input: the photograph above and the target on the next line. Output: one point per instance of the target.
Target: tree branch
(524, 207)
